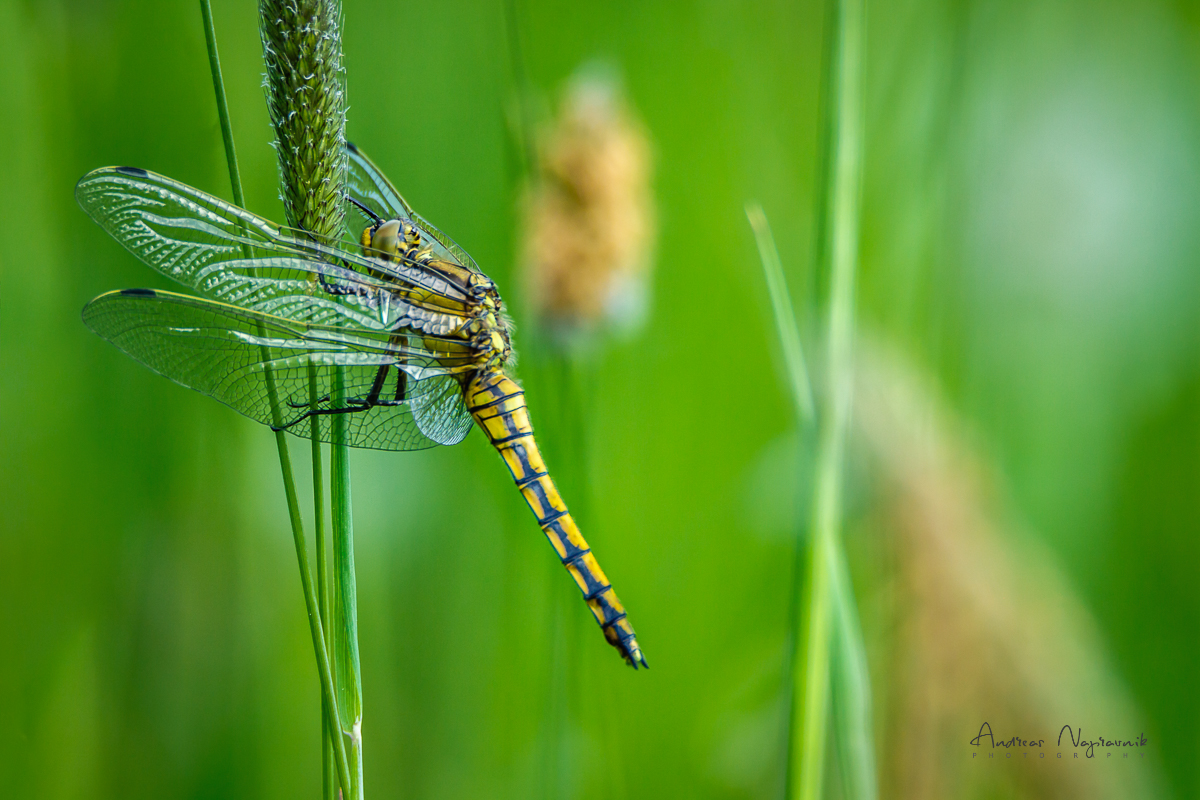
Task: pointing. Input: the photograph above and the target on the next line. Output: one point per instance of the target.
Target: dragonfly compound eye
(386, 238)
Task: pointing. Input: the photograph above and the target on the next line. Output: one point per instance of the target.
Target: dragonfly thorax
(489, 329)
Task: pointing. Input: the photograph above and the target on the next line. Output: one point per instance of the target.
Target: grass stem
(345, 609)
(285, 462)
(328, 781)
(302, 50)
(851, 689)
(804, 406)
(328, 702)
(785, 315)
(826, 589)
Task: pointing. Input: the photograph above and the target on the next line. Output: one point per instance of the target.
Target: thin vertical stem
(844, 85)
(302, 51)
(851, 689)
(285, 462)
(804, 407)
(345, 591)
(785, 315)
(328, 780)
(214, 66)
(328, 702)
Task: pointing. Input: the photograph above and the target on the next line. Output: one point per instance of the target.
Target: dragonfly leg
(306, 404)
(354, 404)
(336, 290)
(322, 412)
(372, 398)
(377, 385)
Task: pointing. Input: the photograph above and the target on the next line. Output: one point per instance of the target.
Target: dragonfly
(399, 332)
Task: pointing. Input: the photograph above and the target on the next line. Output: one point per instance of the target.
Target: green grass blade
(811, 673)
(314, 615)
(852, 722)
(785, 315)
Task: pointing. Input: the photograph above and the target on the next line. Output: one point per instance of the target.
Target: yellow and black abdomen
(498, 405)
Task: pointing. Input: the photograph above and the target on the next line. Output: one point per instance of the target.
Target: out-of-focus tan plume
(982, 624)
(589, 220)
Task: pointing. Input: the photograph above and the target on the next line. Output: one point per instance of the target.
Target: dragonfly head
(390, 239)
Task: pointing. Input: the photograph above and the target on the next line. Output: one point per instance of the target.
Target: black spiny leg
(355, 405)
(352, 404)
(336, 290)
(321, 412)
(372, 398)
(401, 378)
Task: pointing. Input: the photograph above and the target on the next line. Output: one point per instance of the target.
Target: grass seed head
(589, 222)
(306, 97)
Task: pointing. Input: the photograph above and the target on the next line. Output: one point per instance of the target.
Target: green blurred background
(1028, 248)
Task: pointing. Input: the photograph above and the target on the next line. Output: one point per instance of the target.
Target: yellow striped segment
(498, 405)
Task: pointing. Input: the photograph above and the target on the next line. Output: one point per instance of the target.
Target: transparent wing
(369, 186)
(231, 354)
(202, 242)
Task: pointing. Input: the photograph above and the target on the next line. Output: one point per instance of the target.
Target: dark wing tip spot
(138, 293)
(134, 171)
(353, 148)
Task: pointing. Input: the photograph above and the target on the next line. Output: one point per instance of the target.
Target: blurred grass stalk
(306, 99)
(851, 688)
(826, 574)
(828, 611)
(785, 316)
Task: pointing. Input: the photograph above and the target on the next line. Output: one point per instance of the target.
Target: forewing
(234, 355)
(369, 186)
(231, 255)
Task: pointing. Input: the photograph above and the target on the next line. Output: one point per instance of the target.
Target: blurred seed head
(983, 624)
(588, 218)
